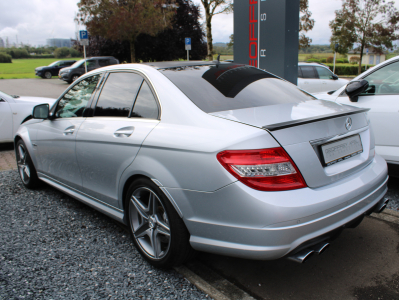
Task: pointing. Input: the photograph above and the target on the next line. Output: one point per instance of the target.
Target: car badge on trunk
(348, 123)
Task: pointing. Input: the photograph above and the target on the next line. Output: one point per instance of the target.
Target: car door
(55, 139)
(6, 120)
(327, 80)
(108, 142)
(309, 81)
(382, 97)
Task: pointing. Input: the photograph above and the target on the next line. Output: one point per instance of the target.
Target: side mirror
(355, 88)
(335, 77)
(41, 111)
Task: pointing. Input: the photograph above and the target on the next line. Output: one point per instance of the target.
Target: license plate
(343, 149)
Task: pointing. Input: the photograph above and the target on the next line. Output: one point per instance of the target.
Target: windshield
(54, 63)
(232, 86)
(7, 95)
(78, 63)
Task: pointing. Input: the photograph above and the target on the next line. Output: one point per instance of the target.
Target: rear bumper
(242, 222)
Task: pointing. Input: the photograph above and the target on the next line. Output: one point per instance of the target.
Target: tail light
(264, 169)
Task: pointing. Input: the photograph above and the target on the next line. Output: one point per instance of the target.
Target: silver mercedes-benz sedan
(216, 157)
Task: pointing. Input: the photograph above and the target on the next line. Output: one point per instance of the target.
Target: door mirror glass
(41, 111)
(355, 88)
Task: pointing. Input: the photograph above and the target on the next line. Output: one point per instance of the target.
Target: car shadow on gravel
(53, 246)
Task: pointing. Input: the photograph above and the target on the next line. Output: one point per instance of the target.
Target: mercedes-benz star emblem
(348, 123)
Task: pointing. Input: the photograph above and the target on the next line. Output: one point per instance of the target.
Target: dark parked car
(77, 69)
(53, 68)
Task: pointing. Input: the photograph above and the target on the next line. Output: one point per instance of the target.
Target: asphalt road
(362, 263)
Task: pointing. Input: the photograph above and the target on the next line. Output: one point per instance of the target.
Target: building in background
(2, 45)
(59, 43)
(371, 58)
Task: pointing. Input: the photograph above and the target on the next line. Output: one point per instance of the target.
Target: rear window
(228, 86)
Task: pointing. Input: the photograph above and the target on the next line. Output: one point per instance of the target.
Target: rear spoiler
(283, 125)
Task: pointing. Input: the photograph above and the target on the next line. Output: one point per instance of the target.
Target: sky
(34, 21)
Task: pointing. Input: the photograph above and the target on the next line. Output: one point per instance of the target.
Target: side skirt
(106, 209)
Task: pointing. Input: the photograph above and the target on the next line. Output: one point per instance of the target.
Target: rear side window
(145, 104)
(118, 94)
(104, 62)
(308, 72)
(229, 86)
(299, 74)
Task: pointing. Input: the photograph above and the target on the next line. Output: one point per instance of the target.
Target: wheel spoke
(142, 230)
(140, 208)
(26, 171)
(152, 204)
(21, 154)
(163, 228)
(155, 244)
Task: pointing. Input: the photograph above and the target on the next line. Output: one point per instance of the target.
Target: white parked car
(316, 78)
(14, 110)
(382, 97)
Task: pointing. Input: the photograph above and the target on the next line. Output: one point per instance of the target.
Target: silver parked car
(216, 157)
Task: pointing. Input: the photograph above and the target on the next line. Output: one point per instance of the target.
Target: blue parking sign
(83, 35)
(188, 41)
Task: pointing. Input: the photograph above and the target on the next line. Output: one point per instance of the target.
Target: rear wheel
(157, 230)
(26, 169)
(47, 75)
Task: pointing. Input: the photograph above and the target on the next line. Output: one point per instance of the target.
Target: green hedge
(42, 56)
(313, 60)
(347, 69)
(5, 58)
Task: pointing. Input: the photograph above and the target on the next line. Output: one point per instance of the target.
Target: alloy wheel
(24, 170)
(149, 223)
(48, 75)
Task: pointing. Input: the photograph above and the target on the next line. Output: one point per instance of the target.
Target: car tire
(74, 77)
(157, 230)
(26, 169)
(48, 75)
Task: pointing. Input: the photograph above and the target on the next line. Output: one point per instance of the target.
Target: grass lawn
(25, 67)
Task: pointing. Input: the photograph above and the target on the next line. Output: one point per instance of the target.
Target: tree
(166, 45)
(231, 41)
(212, 8)
(366, 23)
(125, 20)
(306, 24)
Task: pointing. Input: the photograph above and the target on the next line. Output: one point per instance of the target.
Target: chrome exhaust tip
(301, 256)
(320, 248)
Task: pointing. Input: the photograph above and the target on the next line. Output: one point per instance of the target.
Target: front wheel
(74, 77)
(26, 169)
(48, 75)
(157, 230)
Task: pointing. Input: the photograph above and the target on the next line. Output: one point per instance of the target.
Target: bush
(329, 59)
(5, 58)
(339, 61)
(347, 69)
(313, 60)
(345, 60)
(354, 59)
(74, 53)
(323, 60)
(62, 52)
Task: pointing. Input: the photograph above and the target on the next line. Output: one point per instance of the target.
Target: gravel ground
(54, 247)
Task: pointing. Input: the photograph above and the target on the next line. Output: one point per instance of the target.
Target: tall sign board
(267, 35)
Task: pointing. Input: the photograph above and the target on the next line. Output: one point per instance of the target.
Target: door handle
(69, 130)
(124, 132)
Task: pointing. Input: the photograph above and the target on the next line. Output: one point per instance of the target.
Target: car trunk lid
(304, 129)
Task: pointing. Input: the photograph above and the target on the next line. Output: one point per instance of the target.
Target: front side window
(74, 102)
(384, 81)
(324, 73)
(299, 74)
(145, 104)
(308, 72)
(118, 94)
(90, 63)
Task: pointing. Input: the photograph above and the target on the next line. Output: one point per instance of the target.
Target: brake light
(264, 169)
